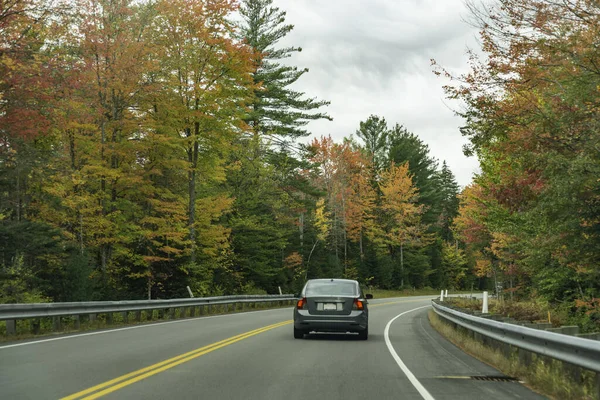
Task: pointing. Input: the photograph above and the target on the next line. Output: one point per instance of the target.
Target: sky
(373, 57)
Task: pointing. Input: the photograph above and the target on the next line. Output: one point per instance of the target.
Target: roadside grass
(526, 311)
(384, 293)
(551, 378)
(45, 326)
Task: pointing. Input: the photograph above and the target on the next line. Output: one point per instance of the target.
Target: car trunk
(330, 305)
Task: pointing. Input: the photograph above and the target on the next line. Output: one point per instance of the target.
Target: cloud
(373, 57)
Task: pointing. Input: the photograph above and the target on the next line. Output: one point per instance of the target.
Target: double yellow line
(136, 376)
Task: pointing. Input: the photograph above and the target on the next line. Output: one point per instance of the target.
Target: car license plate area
(329, 306)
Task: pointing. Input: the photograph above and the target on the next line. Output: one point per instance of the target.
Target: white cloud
(373, 57)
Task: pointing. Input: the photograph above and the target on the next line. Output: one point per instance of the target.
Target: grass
(552, 378)
(24, 327)
(384, 293)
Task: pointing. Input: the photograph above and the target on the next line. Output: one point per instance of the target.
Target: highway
(253, 356)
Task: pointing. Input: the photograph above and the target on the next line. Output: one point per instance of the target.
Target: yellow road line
(135, 376)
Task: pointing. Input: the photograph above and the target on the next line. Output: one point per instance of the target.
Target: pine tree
(277, 110)
(374, 133)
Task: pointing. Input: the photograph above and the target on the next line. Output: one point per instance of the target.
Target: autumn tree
(531, 118)
(401, 214)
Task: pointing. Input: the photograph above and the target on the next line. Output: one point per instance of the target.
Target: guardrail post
(484, 308)
(109, 318)
(76, 322)
(56, 325)
(172, 313)
(125, 315)
(11, 326)
(92, 317)
(35, 326)
(442, 295)
(446, 293)
(209, 309)
(138, 316)
(193, 311)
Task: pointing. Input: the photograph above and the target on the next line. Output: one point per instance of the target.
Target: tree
(374, 132)
(277, 109)
(206, 76)
(401, 214)
(531, 118)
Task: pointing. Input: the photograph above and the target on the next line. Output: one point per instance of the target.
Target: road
(253, 356)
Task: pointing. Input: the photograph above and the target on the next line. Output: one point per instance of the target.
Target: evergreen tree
(408, 147)
(449, 201)
(277, 110)
(374, 133)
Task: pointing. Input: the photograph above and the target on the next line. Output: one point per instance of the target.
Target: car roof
(332, 280)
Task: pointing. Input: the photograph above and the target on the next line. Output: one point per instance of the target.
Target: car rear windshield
(329, 288)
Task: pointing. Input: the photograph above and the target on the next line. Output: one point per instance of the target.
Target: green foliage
(374, 133)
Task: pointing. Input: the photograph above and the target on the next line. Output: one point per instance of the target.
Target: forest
(150, 146)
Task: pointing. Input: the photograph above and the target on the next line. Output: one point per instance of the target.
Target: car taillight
(358, 305)
(301, 305)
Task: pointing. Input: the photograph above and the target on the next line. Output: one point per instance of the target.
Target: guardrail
(13, 312)
(584, 353)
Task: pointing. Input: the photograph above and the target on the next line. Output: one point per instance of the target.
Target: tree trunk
(193, 162)
(401, 265)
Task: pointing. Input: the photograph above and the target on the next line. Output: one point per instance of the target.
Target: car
(331, 305)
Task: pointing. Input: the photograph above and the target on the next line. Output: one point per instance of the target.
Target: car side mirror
(368, 296)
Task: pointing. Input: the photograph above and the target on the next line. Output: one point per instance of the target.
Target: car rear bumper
(356, 322)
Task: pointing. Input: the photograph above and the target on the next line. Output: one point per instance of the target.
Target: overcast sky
(373, 57)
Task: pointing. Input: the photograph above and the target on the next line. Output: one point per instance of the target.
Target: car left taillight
(358, 305)
(301, 305)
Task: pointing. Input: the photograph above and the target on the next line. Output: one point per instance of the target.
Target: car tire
(363, 335)
(298, 334)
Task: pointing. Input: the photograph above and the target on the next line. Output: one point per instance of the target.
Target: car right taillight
(301, 305)
(358, 305)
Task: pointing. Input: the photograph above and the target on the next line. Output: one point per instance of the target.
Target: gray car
(331, 305)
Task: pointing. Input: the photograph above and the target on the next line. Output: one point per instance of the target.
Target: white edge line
(415, 382)
(148, 325)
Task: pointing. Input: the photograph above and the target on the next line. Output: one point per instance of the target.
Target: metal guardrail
(583, 353)
(41, 310)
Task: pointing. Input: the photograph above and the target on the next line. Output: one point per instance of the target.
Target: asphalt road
(253, 356)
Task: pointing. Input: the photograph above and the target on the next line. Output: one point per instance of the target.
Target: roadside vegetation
(548, 377)
(536, 312)
(529, 221)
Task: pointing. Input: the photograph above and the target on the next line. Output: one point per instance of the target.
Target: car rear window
(328, 288)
